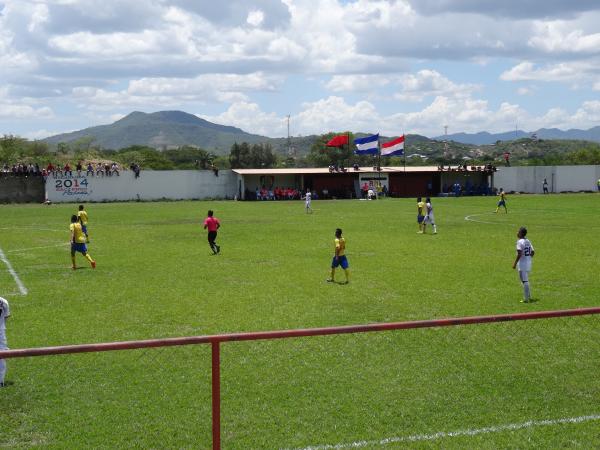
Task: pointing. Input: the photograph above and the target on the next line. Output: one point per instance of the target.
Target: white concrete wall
(151, 185)
(560, 178)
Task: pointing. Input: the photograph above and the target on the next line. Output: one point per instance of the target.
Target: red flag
(338, 141)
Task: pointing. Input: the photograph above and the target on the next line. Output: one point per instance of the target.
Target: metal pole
(216, 396)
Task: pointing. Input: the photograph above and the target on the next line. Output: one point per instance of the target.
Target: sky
(387, 66)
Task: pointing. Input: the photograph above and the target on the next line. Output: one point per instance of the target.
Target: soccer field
(498, 385)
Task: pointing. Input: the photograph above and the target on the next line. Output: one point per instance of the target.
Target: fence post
(216, 396)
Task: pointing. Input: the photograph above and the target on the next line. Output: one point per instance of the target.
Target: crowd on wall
(99, 169)
(21, 170)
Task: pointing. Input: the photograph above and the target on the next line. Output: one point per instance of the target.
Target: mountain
(485, 138)
(161, 130)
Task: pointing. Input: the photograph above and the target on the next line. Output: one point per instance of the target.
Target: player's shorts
(501, 203)
(84, 229)
(78, 247)
(420, 218)
(429, 219)
(340, 261)
(524, 276)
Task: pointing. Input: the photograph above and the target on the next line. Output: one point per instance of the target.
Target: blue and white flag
(368, 145)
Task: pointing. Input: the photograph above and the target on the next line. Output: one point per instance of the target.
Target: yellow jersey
(421, 208)
(340, 246)
(78, 236)
(83, 217)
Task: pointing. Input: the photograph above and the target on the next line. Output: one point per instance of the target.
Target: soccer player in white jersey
(429, 218)
(4, 314)
(308, 199)
(525, 253)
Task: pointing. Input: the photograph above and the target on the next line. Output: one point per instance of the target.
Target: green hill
(161, 130)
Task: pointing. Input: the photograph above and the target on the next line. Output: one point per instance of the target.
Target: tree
(189, 157)
(238, 155)
(12, 148)
(320, 155)
(244, 156)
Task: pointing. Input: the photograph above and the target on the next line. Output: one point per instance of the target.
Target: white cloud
(256, 18)
(525, 90)
(427, 83)
(250, 118)
(408, 87)
(176, 92)
(182, 54)
(359, 83)
(22, 111)
(560, 37)
(527, 71)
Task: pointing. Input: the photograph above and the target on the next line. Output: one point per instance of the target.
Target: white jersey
(429, 213)
(524, 263)
(4, 313)
(308, 198)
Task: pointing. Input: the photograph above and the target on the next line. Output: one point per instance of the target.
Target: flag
(393, 148)
(338, 141)
(368, 145)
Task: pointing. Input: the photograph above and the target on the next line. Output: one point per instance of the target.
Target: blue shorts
(76, 247)
(84, 229)
(501, 203)
(420, 218)
(339, 261)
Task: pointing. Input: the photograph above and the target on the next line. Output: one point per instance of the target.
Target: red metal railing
(215, 341)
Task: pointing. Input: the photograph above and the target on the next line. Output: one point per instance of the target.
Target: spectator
(68, 170)
(136, 169)
(365, 189)
(90, 170)
(78, 168)
(99, 169)
(115, 168)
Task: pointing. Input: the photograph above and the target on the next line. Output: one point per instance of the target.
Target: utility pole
(289, 139)
(445, 141)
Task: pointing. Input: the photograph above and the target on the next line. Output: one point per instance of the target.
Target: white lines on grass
(20, 284)
(20, 250)
(459, 433)
(33, 228)
(470, 219)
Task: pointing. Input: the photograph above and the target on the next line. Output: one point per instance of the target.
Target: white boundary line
(469, 218)
(19, 250)
(32, 229)
(446, 434)
(20, 284)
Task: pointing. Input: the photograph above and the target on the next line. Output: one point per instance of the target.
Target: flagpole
(404, 154)
(378, 164)
(348, 139)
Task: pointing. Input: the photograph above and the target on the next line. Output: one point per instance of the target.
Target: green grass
(156, 278)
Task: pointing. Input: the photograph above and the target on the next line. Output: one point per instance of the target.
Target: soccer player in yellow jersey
(420, 214)
(78, 242)
(339, 259)
(502, 201)
(83, 218)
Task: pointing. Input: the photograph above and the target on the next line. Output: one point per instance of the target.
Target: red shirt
(212, 223)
